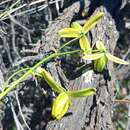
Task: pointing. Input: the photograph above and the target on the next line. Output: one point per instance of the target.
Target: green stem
(23, 77)
(14, 74)
(66, 44)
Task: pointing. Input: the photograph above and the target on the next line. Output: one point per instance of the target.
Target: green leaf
(116, 59)
(76, 26)
(84, 43)
(82, 93)
(92, 22)
(100, 45)
(69, 33)
(51, 82)
(94, 56)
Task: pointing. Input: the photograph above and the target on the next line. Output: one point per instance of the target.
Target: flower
(61, 105)
(48, 78)
(102, 56)
(63, 101)
(100, 64)
(77, 31)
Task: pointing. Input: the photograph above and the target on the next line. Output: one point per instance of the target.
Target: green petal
(94, 56)
(82, 93)
(61, 105)
(100, 64)
(92, 22)
(100, 45)
(76, 26)
(69, 33)
(51, 82)
(116, 59)
(84, 44)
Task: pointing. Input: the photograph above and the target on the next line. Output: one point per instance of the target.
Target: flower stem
(66, 44)
(23, 77)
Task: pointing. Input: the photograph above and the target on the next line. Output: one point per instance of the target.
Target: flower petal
(51, 82)
(116, 59)
(100, 45)
(94, 56)
(100, 64)
(76, 25)
(92, 22)
(61, 105)
(69, 33)
(82, 93)
(84, 44)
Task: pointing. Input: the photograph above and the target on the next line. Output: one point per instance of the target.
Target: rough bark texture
(93, 113)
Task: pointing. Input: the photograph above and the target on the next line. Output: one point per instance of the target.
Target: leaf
(82, 93)
(116, 59)
(76, 25)
(92, 22)
(69, 33)
(94, 56)
(84, 43)
(51, 82)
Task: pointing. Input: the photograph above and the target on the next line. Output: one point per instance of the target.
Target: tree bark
(95, 112)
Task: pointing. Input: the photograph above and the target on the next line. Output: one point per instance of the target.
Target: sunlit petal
(69, 33)
(49, 79)
(82, 93)
(93, 56)
(116, 59)
(76, 25)
(92, 22)
(84, 44)
(61, 105)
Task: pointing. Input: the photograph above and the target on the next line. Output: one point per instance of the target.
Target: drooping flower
(48, 78)
(102, 56)
(61, 105)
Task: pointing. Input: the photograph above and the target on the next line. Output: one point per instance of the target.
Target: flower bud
(61, 105)
(101, 63)
(49, 79)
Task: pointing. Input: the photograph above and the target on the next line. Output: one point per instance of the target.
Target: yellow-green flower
(101, 63)
(48, 78)
(102, 56)
(61, 105)
(63, 101)
(77, 31)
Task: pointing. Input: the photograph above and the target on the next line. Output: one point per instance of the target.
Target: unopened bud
(61, 105)
(101, 63)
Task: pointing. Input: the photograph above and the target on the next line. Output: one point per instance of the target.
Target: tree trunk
(92, 113)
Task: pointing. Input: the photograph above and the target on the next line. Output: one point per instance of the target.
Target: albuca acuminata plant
(99, 56)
